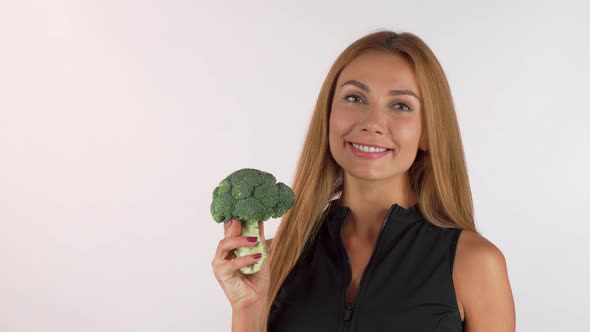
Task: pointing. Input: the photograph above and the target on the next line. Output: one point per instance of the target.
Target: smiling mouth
(370, 153)
(369, 148)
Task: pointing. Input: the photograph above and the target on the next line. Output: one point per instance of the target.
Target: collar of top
(336, 215)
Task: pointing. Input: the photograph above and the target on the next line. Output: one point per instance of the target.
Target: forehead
(380, 71)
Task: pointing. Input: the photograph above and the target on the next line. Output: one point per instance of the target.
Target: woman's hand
(247, 293)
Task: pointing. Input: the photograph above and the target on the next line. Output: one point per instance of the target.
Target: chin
(369, 175)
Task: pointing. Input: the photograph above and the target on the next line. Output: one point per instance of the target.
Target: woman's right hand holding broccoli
(247, 294)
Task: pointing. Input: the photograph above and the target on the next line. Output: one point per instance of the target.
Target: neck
(370, 200)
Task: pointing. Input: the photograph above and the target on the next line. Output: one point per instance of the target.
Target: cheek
(339, 126)
(335, 123)
(340, 119)
(408, 132)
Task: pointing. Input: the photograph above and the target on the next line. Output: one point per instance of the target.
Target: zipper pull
(347, 313)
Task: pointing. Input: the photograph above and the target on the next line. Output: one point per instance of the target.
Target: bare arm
(482, 284)
(245, 319)
(247, 294)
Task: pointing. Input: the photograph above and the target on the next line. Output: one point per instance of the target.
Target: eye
(406, 109)
(354, 96)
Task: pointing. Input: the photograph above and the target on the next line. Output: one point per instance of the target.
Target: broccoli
(250, 195)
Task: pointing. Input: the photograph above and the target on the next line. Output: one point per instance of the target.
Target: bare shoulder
(481, 281)
(268, 242)
(474, 248)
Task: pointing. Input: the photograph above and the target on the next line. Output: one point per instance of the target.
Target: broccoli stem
(250, 228)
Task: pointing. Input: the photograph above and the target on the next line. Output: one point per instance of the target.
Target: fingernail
(257, 256)
(252, 239)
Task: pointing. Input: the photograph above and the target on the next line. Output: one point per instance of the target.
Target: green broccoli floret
(251, 195)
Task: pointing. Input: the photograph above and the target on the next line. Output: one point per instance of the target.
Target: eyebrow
(364, 87)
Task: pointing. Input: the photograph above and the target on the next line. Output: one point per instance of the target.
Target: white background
(118, 118)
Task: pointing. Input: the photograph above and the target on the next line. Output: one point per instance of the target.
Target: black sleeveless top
(407, 284)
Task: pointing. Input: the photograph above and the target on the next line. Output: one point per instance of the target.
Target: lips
(367, 155)
(370, 145)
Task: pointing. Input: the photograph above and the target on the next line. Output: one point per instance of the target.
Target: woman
(382, 235)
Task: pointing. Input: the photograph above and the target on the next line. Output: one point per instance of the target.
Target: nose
(373, 122)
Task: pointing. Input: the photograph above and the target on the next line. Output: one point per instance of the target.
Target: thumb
(262, 237)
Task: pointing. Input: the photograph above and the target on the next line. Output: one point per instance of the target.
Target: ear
(423, 144)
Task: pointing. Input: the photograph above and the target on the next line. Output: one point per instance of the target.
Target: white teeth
(368, 149)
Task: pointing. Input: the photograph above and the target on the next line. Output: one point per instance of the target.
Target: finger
(226, 226)
(227, 246)
(228, 269)
(234, 229)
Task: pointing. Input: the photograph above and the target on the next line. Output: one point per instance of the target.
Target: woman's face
(365, 111)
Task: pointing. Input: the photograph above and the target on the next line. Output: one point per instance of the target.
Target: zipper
(349, 307)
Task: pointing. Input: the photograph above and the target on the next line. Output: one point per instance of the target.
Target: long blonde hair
(438, 176)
